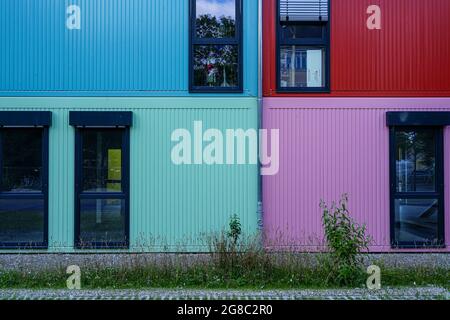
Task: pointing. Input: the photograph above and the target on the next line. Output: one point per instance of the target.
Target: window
(417, 201)
(102, 180)
(24, 180)
(216, 46)
(303, 46)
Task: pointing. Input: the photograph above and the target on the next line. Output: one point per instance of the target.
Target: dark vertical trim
(441, 184)
(392, 181)
(45, 181)
(78, 179)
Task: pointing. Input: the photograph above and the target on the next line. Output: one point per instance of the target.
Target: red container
(409, 56)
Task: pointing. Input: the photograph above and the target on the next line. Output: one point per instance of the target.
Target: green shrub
(346, 240)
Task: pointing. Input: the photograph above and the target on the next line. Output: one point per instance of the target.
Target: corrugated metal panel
(172, 207)
(407, 57)
(134, 47)
(341, 147)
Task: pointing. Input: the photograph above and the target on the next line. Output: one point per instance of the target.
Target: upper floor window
(216, 46)
(303, 45)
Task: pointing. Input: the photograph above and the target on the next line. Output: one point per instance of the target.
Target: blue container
(122, 48)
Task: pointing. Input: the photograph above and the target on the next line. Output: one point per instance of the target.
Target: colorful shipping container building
(95, 95)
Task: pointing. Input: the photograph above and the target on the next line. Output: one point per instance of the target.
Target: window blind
(303, 10)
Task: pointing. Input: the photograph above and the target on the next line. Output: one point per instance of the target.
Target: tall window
(303, 46)
(24, 184)
(102, 185)
(417, 207)
(216, 46)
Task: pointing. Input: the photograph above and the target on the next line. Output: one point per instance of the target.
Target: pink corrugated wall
(329, 147)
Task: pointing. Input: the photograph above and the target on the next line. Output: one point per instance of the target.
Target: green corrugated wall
(172, 208)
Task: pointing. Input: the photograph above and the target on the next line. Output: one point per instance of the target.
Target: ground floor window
(23, 181)
(101, 179)
(417, 186)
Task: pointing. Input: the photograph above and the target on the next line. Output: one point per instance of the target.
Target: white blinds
(303, 10)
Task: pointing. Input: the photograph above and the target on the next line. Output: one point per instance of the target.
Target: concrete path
(428, 293)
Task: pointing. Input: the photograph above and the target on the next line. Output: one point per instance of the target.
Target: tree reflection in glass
(215, 18)
(215, 65)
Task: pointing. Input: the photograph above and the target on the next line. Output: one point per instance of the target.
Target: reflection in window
(102, 208)
(416, 161)
(416, 220)
(215, 18)
(22, 160)
(102, 220)
(302, 31)
(215, 66)
(22, 221)
(302, 67)
(102, 160)
(215, 53)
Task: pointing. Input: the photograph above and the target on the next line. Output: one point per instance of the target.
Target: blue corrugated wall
(123, 48)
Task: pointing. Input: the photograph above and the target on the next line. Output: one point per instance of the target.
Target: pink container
(331, 146)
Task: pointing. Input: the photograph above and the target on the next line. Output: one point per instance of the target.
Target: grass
(245, 273)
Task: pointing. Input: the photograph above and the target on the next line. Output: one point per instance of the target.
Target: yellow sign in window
(114, 170)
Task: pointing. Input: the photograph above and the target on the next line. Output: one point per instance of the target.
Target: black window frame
(304, 42)
(29, 120)
(236, 41)
(106, 121)
(438, 194)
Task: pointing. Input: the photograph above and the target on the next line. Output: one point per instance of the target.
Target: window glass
(302, 67)
(215, 18)
(22, 160)
(416, 160)
(215, 66)
(302, 31)
(416, 220)
(102, 220)
(22, 221)
(102, 160)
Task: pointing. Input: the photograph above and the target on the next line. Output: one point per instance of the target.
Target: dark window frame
(31, 195)
(81, 195)
(236, 41)
(438, 194)
(304, 42)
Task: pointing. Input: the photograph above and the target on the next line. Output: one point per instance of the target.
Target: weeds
(346, 240)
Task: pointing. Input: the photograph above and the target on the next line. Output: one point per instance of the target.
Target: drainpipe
(260, 211)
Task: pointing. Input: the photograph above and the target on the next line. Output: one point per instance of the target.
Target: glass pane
(102, 220)
(216, 66)
(102, 160)
(22, 221)
(416, 160)
(215, 18)
(416, 220)
(22, 160)
(302, 67)
(300, 31)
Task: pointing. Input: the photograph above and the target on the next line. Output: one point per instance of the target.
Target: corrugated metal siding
(134, 47)
(407, 57)
(172, 208)
(324, 152)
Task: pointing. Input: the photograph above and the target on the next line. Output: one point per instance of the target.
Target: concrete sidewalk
(427, 293)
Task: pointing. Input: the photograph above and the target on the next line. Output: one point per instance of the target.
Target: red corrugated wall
(409, 56)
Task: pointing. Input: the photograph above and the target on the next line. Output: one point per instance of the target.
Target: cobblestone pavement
(32, 262)
(428, 293)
